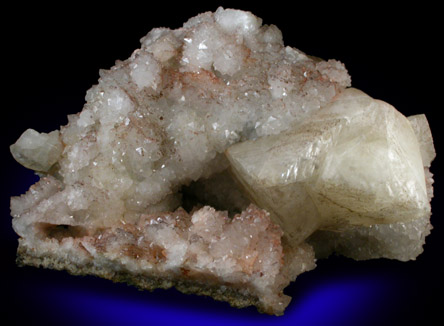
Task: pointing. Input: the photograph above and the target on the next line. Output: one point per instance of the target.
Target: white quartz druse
(353, 166)
(164, 117)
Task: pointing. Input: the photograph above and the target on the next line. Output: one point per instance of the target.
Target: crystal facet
(355, 162)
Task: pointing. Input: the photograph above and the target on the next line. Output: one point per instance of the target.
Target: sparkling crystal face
(153, 137)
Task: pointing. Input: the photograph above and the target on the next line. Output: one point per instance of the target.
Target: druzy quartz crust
(261, 144)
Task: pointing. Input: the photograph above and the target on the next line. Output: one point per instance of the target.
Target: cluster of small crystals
(163, 118)
(206, 240)
(402, 241)
(244, 251)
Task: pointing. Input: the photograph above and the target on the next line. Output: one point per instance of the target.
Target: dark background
(51, 56)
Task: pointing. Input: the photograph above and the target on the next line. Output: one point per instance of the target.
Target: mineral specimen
(153, 137)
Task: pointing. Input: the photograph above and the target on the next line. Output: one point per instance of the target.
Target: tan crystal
(356, 162)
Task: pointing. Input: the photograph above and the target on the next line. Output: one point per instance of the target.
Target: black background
(52, 55)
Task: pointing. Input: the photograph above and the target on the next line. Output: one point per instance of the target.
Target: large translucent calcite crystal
(137, 186)
(355, 165)
(402, 240)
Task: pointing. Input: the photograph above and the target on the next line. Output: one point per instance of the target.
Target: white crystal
(356, 162)
(37, 151)
(401, 240)
(145, 71)
(236, 21)
(424, 136)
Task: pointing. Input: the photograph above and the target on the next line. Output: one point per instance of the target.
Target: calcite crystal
(354, 166)
(402, 240)
(154, 136)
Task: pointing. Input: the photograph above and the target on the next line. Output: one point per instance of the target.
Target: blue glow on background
(338, 302)
(334, 302)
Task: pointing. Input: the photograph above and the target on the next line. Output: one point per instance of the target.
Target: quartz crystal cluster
(214, 160)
